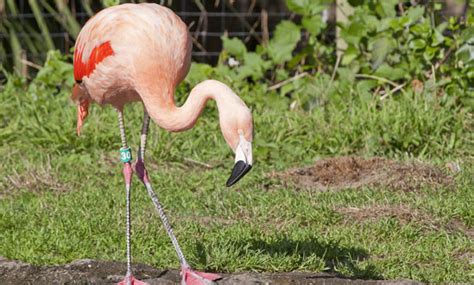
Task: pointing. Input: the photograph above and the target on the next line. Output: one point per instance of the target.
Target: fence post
(24, 65)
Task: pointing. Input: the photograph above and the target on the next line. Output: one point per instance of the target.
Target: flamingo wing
(84, 66)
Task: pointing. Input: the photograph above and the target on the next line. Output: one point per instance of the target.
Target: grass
(62, 197)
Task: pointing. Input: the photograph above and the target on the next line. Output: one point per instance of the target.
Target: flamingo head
(80, 97)
(239, 137)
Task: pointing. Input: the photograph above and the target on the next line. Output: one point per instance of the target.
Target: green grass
(63, 196)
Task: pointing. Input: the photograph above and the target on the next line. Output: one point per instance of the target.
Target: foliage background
(402, 89)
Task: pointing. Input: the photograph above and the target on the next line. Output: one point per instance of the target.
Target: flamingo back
(130, 47)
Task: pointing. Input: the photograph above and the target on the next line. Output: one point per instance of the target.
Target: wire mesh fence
(31, 27)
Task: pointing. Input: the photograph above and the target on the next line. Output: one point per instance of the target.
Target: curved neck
(163, 110)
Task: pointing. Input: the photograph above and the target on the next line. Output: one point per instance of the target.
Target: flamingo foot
(130, 280)
(191, 277)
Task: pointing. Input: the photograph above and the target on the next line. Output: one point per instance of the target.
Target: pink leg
(189, 277)
(126, 157)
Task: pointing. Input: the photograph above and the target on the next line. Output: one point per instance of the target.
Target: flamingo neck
(173, 118)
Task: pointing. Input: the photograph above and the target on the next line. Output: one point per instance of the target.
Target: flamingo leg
(126, 157)
(189, 276)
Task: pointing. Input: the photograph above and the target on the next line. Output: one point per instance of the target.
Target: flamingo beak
(243, 161)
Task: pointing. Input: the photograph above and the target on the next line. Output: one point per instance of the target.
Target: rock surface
(88, 271)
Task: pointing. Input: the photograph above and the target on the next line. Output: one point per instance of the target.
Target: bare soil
(404, 215)
(108, 272)
(339, 173)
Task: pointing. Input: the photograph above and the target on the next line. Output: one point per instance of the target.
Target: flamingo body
(130, 48)
(141, 52)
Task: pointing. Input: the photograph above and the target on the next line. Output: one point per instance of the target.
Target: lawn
(62, 196)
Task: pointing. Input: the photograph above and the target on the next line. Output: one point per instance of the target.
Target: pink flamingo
(141, 52)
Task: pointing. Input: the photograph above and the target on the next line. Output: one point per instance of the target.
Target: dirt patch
(107, 272)
(35, 180)
(356, 172)
(467, 257)
(405, 215)
(402, 213)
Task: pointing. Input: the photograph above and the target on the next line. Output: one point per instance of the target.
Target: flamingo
(140, 53)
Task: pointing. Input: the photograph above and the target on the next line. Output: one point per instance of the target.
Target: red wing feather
(98, 54)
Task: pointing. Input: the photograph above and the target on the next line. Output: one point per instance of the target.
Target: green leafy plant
(388, 51)
(409, 46)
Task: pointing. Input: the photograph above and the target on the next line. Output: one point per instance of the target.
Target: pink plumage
(151, 49)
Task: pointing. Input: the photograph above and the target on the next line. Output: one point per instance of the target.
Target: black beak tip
(240, 169)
